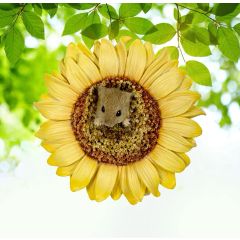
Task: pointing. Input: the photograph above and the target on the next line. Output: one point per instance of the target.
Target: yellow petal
(83, 173)
(170, 66)
(48, 147)
(108, 60)
(56, 132)
(167, 179)
(193, 112)
(89, 68)
(72, 51)
(60, 90)
(150, 53)
(167, 159)
(91, 187)
(165, 84)
(192, 141)
(122, 57)
(105, 181)
(60, 77)
(67, 170)
(148, 175)
(125, 39)
(177, 103)
(66, 155)
(117, 191)
(54, 110)
(183, 126)
(76, 77)
(125, 188)
(96, 48)
(173, 141)
(62, 68)
(84, 49)
(156, 64)
(186, 83)
(185, 158)
(134, 183)
(136, 61)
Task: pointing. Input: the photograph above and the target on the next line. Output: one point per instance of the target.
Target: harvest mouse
(112, 107)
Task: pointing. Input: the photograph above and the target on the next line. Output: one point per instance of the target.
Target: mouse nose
(109, 124)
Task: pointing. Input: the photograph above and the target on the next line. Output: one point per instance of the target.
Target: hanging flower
(119, 119)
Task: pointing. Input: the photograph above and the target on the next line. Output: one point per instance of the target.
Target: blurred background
(35, 202)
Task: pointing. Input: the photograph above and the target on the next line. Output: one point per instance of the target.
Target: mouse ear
(129, 94)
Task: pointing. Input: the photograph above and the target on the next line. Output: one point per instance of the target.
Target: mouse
(112, 107)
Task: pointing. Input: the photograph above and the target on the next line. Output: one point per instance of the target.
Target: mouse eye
(118, 113)
(103, 109)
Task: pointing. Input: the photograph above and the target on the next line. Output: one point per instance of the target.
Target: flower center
(120, 144)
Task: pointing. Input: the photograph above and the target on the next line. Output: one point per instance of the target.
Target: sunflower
(131, 159)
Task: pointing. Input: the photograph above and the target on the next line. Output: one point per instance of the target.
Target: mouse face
(112, 106)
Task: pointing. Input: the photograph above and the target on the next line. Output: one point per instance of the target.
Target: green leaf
(146, 7)
(33, 24)
(138, 25)
(188, 18)
(75, 23)
(107, 10)
(199, 73)
(203, 6)
(9, 6)
(228, 43)
(200, 18)
(37, 8)
(222, 9)
(237, 28)
(196, 49)
(125, 32)
(95, 31)
(92, 18)
(165, 32)
(88, 41)
(51, 8)
(129, 10)
(172, 50)
(82, 6)
(7, 17)
(28, 7)
(202, 35)
(176, 14)
(113, 29)
(189, 5)
(212, 29)
(14, 45)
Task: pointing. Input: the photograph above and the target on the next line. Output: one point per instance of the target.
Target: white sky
(34, 202)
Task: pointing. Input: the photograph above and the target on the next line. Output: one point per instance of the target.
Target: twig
(17, 16)
(95, 8)
(203, 13)
(109, 14)
(178, 33)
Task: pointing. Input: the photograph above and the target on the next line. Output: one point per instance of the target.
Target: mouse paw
(126, 122)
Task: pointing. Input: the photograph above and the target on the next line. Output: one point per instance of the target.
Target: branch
(17, 16)
(203, 13)
(178, 33)
(109, 14)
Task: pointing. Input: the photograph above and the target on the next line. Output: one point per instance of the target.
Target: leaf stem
(109, 14)
(203, 13)
(17, 16)
(178, 33)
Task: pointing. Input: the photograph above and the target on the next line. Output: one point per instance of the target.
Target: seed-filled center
(120, 130)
